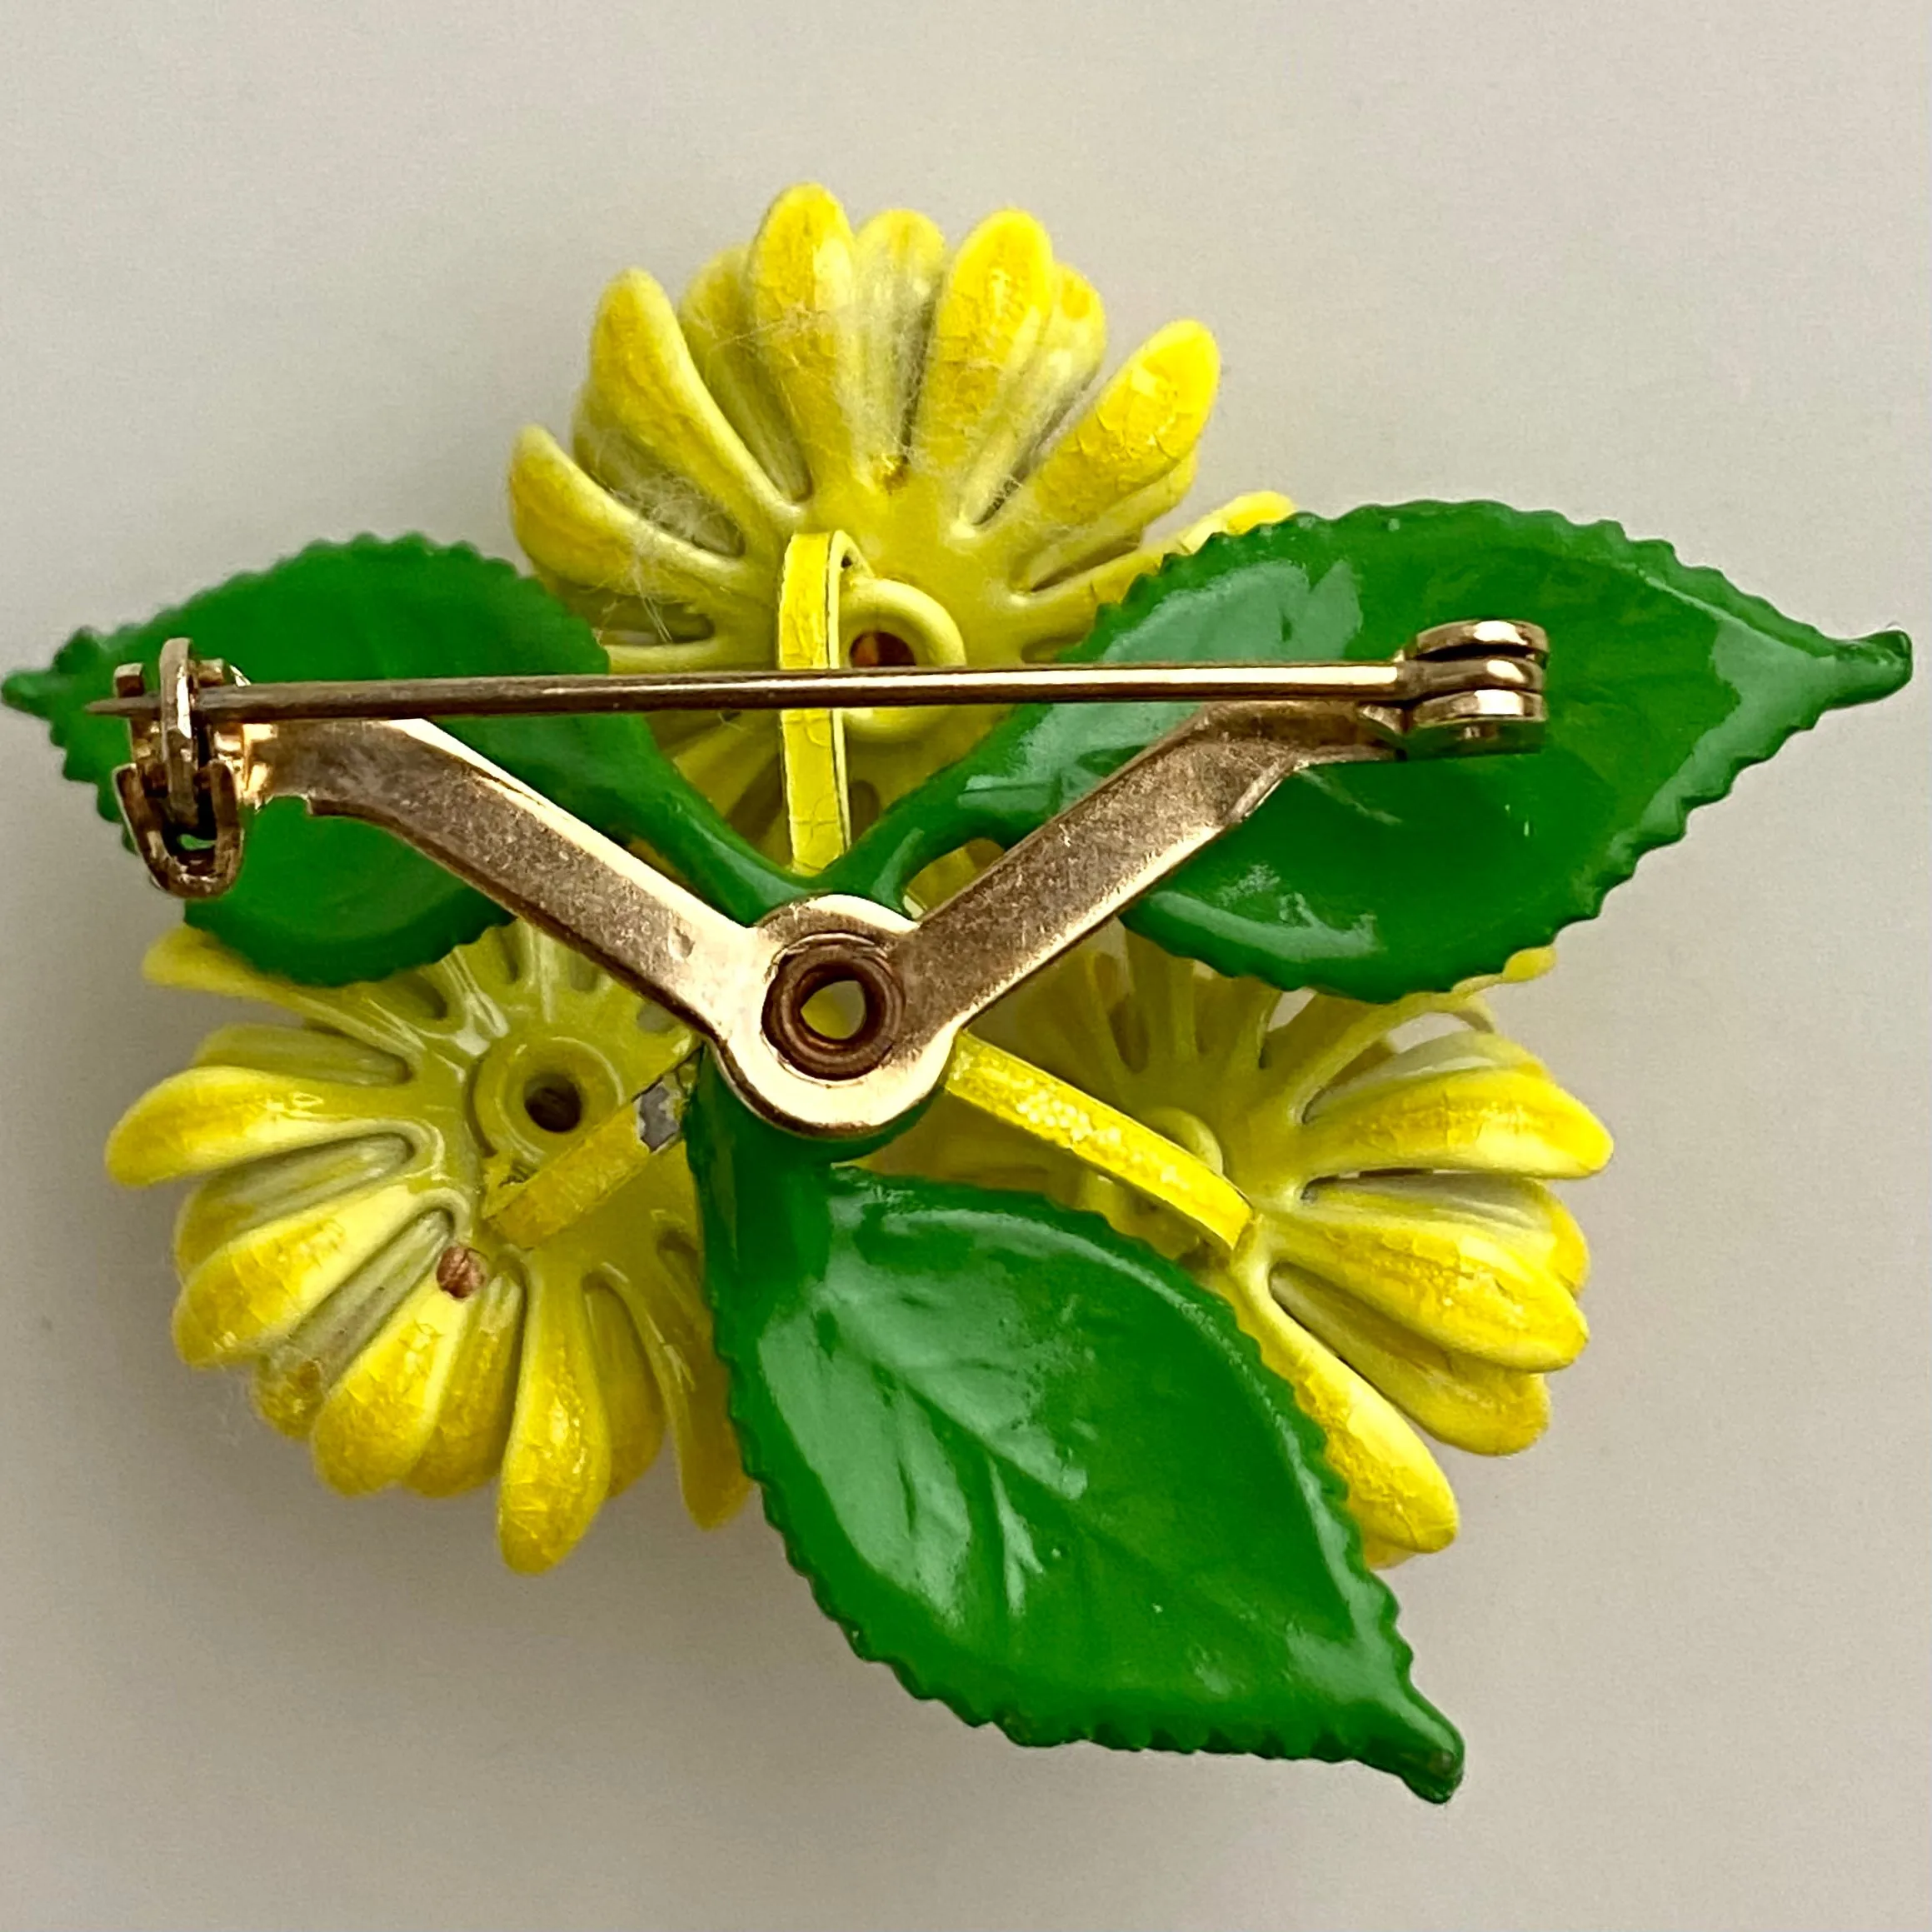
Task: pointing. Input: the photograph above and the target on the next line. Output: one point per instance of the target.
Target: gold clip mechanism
(208, 747)
(181, 797)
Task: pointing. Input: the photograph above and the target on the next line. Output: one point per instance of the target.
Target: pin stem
(1391, 682)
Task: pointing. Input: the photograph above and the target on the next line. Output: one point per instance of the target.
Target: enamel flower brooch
(967, 1018)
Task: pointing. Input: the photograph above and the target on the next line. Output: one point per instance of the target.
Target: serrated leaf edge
(1117, 1730)
(1885, 655)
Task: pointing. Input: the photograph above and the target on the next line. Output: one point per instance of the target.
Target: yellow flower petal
(1469, 1405)
(472, 1424)
(378, 1420)
(1466, 1101)
(252, 1289)
(1144, 425)
(899, 257)
(1237, 515)
(1082, 566)
(193, 960)
(799, 287)
(1531, 1215)
(1395, 1491)
(1069, 602)
(301, 1053)
(675, 1326)
(645, 383)
(582, 536)
(557, 1467)
(1045, 389)
(640, 635)
(293, 1378)
(1068, 359)
(213, 1117)
(993, 310)
(717, 320)
(632, 1402)
(1328, 1039)
(1378, 1556)
(1471, 1282)
(645, 482)
(374, 1014)
(643, 1246)
(242, 1197)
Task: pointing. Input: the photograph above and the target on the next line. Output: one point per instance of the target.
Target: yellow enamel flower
(1374, 1206)
(426, 1217)
(925, 404)
(425, 1220)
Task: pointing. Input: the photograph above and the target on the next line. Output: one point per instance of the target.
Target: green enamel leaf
(329, 900)
(1377, 879)
(1039, 1472)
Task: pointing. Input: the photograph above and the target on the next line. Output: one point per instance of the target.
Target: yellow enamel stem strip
(583, 1176)
(1099, 1137)
(812, 743)
(998, 1083)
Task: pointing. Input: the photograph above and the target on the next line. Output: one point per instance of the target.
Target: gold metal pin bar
(1396, 682)
(196, 774)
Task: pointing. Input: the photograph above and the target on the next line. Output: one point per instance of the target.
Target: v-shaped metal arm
(193, 782)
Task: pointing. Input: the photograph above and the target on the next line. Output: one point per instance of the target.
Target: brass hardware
(1478, 637)
(1514, 666)
(1480, 713)
(181, 797)
(1471, 687)
(815, 965)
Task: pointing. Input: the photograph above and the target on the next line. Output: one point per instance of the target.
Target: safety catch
(181, 798)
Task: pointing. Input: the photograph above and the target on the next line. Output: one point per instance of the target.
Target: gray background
(267, 274)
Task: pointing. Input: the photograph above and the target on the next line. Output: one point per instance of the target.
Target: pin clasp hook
(180, 796)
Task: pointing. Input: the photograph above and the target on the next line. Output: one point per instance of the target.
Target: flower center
(539, 1086)
(884, 624)
(870, 650)
(554, 1102)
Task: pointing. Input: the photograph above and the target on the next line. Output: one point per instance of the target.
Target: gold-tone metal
(176, 728)
(1468, 688)
(1396, 681)
(1073, 874)
(1479, 636)
(818, 962)
(180, 798)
